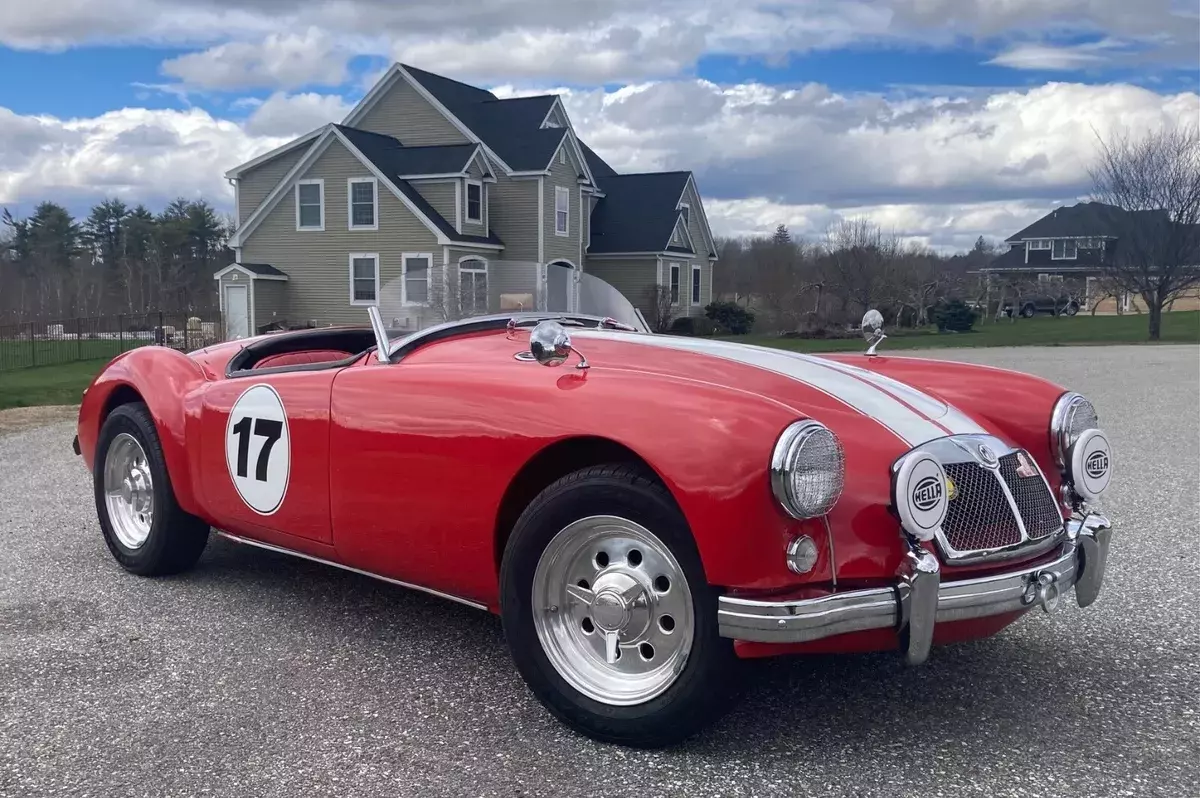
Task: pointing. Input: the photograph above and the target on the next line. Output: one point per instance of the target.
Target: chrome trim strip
(1012, 505)
(389, 580)
(907, 605)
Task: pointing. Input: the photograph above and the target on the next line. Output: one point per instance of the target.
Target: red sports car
(642, 516)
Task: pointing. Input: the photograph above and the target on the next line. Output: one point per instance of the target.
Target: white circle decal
(1091, 464)
(921, 499)
(258, 449)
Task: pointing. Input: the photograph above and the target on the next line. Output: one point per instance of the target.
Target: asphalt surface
(262, 675)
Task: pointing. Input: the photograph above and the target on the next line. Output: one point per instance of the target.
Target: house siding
(440, 195)
(317, 263)
(561, 247)
(513, 214)
(270, 302)
(256, 184)
(635, 279)
(405, 114)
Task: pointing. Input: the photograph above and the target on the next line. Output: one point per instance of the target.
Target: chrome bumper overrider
(919, 599)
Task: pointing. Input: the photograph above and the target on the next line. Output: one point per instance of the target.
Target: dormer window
(1065, 249)
(1040, 243)
(474, 202)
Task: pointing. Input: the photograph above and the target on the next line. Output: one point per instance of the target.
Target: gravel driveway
(263, 675)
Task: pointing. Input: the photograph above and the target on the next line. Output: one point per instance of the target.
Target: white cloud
(1060, 58)
(264, 42)
(295, 114)
(938, 169)
(137, 154)
(285, 61)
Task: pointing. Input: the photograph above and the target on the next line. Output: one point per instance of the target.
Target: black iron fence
(51, 343)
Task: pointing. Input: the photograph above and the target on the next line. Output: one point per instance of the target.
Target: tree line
(117, 260)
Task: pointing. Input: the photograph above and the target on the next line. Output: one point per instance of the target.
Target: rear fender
(167, 381)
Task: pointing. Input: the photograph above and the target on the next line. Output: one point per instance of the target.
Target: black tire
(708, 685)
(1072, 309)
(1028, 311)
(176, 539)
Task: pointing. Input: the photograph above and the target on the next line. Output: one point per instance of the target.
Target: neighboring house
(1072, 246)
(434, 199)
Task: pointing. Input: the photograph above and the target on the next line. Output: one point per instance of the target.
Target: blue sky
(944, 118)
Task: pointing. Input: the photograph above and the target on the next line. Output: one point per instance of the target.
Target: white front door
(237, 312)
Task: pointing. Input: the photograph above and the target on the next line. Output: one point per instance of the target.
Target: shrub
(693, 325)
(955, 316)
(730, 316)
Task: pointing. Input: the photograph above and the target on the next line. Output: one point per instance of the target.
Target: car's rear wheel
(143, 526)
(607, 612)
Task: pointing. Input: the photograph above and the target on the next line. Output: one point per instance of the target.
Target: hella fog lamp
(921, 495)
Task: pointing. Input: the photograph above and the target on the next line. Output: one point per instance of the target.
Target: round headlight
(1071, 417)
(808, 469)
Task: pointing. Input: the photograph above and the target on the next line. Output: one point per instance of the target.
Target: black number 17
(267, 428)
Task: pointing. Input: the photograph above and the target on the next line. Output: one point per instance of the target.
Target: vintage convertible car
(642, 516)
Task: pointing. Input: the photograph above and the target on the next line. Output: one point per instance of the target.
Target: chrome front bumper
(919, 599)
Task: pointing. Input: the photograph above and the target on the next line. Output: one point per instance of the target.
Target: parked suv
(1030, 306)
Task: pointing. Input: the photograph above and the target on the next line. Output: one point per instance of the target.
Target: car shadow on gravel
(824, 705)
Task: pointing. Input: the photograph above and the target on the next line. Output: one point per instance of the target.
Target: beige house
(434, 199)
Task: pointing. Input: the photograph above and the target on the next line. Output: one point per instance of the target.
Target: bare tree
(861, 260)
(661, 310)
(1151, 186)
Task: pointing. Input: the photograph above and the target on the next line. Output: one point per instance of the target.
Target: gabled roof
(638, 212)
(1083, 219)
(389, 156)
(255, 271)
(411, 161)
(263, 269)
(512, 128)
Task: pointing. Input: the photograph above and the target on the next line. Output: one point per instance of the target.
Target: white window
(674, 283)
(1040, 243)
(473, 287)
(686, 210)
(474, 201)
(695, 283)
(1064, 249)
(562, 210)
(364, 278)
(310, 205)
(1050, 278)
(363, 202)
(416, 268)
(562, 156)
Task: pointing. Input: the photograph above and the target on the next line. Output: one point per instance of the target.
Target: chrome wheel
(128, 491)
(613, 610)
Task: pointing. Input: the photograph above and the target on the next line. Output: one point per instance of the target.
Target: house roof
(600, 168)
(1083, 219)
(637, 212)
(391, 158)
(410, 161)
(263, 269)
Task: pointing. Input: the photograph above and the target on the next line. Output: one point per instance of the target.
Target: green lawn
(1180, 327)
(63, 384)
(19, 354)
(47, 385)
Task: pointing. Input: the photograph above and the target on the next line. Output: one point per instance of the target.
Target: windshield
(427, 294)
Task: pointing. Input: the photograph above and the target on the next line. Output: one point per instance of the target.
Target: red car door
(265, 453)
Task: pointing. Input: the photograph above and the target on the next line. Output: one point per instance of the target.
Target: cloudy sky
(941, 119)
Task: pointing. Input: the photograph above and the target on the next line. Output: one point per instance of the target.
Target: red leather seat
(301, 358)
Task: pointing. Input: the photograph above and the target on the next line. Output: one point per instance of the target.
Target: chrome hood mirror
(872, 330)
(550, 345)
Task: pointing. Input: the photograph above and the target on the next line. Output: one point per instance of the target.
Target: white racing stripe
(901, 408)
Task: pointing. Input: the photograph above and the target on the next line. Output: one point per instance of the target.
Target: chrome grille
(1035, 503)
(979, 515)
(994, 513)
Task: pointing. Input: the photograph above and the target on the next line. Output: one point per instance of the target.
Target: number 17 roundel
(258, 449)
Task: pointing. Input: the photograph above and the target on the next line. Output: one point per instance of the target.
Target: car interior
(308, 350)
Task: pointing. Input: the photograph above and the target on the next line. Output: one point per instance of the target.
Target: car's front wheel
(1028, 311)
(144, 527)
(608, 614)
